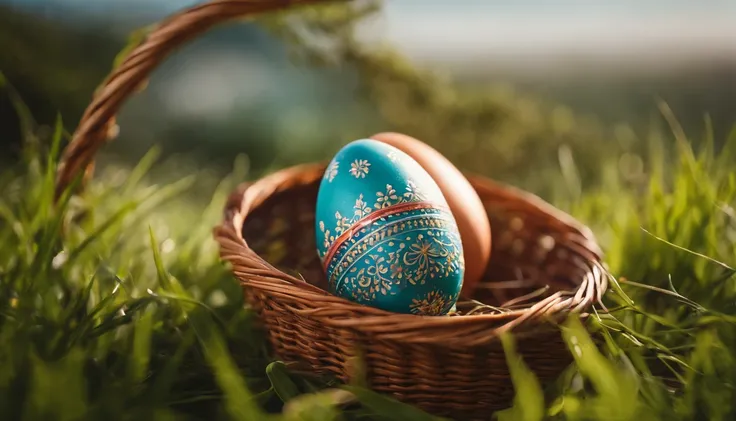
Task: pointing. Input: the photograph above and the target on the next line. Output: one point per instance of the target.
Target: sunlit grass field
(114, 305)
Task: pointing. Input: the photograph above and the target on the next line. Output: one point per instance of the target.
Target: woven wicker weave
(544, 266)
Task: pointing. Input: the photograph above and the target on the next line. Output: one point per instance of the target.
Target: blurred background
(515, 90)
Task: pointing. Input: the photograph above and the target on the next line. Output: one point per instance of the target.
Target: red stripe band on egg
(369, 219)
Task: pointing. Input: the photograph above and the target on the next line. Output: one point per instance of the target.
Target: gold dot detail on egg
(385, 234)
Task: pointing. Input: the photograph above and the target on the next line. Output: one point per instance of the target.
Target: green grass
(114, 305)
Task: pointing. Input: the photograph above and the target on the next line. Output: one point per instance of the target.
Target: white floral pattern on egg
(384, 233)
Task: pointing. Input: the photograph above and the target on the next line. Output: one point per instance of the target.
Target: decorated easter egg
(385, 234)
(466, 206)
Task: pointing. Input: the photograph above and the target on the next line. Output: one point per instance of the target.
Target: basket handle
(97, 125)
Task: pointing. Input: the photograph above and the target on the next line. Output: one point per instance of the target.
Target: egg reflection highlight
(385, 235)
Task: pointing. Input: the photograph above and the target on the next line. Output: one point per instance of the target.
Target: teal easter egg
(385, 235)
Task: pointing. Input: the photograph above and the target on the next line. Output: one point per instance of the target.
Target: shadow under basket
(544, 266)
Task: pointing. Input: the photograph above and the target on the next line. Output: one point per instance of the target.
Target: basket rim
(307, 300)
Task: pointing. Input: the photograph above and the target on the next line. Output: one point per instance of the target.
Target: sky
(456, 30)
(465, 36)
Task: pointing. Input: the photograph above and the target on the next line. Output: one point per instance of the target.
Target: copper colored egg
(466, 206)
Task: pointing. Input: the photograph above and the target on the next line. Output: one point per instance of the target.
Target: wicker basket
(544, 266)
